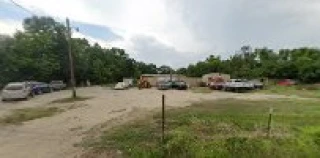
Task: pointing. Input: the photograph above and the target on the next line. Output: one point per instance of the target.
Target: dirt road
(54, 137)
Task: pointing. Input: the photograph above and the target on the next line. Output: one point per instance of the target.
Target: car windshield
(14, 87)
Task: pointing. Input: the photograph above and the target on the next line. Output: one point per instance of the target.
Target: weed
(307, 91)
(19, 116)
(223, 128)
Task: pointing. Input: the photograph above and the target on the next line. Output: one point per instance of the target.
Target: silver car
(16, 90)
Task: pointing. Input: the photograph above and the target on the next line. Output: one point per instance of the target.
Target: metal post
(270, 121)
(72, 78)
(163, 117)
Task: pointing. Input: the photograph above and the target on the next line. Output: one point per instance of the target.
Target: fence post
(162, 129)
(163, 117)
(270, 121)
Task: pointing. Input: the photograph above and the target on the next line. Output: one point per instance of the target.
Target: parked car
(121, 86)
(287, 82)
(179, 85)
(238, 85)
(257, 84)
(58, 85)
(34, 87)
(17, 90)
(216, 83)
(164, 85)
(44, 87)
(128, 81)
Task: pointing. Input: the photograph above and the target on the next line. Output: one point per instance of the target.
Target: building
(153, 79)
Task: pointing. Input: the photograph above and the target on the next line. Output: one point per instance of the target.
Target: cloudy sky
(177, 32)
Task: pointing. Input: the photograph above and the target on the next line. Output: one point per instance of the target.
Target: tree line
(40, 52)
(302, 64)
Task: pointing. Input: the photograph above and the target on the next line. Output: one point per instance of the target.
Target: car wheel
(31, 95)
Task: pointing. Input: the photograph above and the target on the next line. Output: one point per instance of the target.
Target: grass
(19, 116)
(70, 100)
(201, 90)
(307, 91)
(224, 128)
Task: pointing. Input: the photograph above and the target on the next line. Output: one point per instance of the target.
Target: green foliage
(302, 64)
(223, 128)
(41, 53)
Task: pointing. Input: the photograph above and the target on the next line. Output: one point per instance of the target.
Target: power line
(23, 8)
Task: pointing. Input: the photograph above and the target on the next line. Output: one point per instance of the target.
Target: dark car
(34, 87)
(179, 85)
(44, 87)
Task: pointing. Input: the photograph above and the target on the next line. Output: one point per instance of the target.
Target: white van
(16, 90)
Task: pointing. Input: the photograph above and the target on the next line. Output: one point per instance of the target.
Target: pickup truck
(58, 85)
(238, 85)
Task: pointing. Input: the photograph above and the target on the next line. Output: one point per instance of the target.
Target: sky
(179, 32)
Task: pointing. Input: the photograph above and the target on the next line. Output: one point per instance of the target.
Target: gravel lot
(55, 136)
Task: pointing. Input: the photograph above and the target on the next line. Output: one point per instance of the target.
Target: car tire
(31, 95)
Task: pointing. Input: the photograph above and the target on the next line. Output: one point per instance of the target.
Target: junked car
(44, 87)
(178, 85)
(16, 90)
(257, 84)
(121, 86)
(164, 85)
(58, 85)
(238, 85)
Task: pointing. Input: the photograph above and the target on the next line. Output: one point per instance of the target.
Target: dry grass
(201, 90)
(306, 91)
(19, 116)
(70, 100)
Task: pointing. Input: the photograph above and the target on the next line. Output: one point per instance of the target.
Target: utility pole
(72, 78)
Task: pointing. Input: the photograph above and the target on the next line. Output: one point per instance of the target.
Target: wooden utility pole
(72, 78)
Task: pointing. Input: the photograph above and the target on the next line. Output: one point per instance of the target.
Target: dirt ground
(55, 136)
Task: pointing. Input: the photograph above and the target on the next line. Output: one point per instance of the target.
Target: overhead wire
(23, 8)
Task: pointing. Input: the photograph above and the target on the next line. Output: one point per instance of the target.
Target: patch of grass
(223, 128)
(201, 90)
(70, 100)
(307, 91)
(19, 116)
